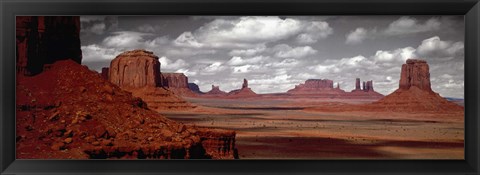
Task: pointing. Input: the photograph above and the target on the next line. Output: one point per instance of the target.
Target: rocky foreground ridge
(66, 111)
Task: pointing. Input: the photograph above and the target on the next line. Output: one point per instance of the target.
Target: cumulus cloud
(396, 56)
(248, 52)
(356, 36)
(408, 25)
(213, 68)
(436, 48)
(285, 51)
(235, 61)
(169, 65)
(314, 31)
(403, 26)
(248, 31)
(95, 52)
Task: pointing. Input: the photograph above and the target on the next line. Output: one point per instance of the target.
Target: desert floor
(287, 129)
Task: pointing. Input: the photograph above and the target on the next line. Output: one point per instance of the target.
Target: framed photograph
(240, 87)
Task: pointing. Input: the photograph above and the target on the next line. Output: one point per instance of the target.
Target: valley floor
(287, 129)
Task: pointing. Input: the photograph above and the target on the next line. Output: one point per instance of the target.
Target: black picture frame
(9, 9)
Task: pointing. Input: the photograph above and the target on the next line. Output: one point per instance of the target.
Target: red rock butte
(178, 83)
(323, 88)
(138, 71)
(135, 69)
(413, 95)
(415, 73)
(415, 92)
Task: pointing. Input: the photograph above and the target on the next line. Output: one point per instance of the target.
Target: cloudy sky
(277, 52)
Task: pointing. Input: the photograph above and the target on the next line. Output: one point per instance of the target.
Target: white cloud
(285, 51)
(245, 68)
(398, 55)
(436, 48)
(314, 31)
(187, 73)
(286, 63)
(235, 61)
(249, 31)
(248, 52)
(187, 39)
(125, 39)
(169, 65)
(356, 36)
(214, 68)
(408, 25)
(403, 26)
(95, 52)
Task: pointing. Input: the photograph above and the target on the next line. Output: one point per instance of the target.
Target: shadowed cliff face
(43, 40)
(174, 80)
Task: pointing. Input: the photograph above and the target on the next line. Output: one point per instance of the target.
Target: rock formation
(138, 71)
(43, 40)
(357, 84)
(245, 83)
(244, 92)
(415, 73)
(174, 80)
(194, 88)
(178, 83)
(316, 86)
(369, 86)
(70, 112)
(323, 88)
(415, 93)
(216, 91)
(105, 72)
(135, 69)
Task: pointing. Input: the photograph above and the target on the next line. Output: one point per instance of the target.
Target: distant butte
(244, 92)
(414, 94)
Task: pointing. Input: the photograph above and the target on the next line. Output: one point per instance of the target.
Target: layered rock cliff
(174, 80)
(138, 71)
(135, 69)
(317, 87)
(178, 83)
(415, 73)
(42, 40)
